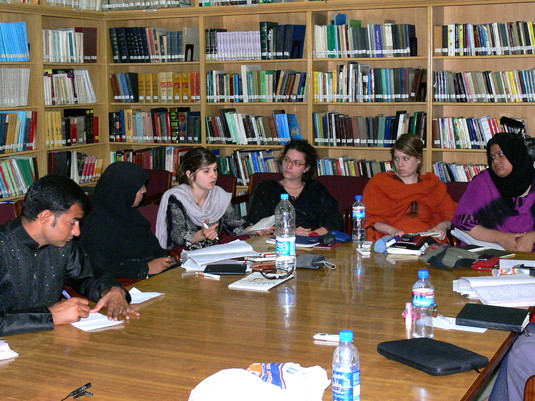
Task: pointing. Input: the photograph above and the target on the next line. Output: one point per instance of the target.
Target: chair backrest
(159, 182)
(257, 178)
(529, 390)
(456, 189)
(344, 188)
(150, 212)
(227, 182)
(7, 212)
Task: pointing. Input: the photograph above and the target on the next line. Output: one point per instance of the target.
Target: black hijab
(113, 222)
(518, 182)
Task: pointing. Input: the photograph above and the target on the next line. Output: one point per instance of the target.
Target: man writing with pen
(37, 257)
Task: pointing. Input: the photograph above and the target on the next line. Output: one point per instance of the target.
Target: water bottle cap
(284, 196)
(423, 274)
(346, 336)
(358, 197)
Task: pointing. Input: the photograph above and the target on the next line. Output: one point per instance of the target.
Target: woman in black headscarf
(499, 204)
(117, 238)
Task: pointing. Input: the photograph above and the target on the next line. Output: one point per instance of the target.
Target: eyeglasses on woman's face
(293, 163)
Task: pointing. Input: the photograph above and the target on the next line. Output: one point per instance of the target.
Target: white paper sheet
(95, 321)
(139, 297)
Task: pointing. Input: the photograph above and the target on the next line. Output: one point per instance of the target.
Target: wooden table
(200, 327)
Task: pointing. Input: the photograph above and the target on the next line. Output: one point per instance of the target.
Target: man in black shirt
(37, 257)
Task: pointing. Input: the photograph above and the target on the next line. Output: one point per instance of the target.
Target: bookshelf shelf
(427, 16)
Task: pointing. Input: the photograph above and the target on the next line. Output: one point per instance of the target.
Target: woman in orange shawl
(406, 201)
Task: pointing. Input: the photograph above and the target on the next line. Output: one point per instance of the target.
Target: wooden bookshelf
(427, 16)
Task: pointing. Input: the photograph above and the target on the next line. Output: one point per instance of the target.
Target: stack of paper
(6, 352)
(197, 259)
(468, 239)
(511, 290)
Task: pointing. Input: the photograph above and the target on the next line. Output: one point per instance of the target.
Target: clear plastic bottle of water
(359, 213)
(346, 369)
(423, 305)
(285, 235)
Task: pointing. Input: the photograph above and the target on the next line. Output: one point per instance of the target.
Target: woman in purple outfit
(499, 204)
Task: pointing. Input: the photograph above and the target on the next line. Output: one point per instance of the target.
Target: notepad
(197, 259)
(256, 282)
(264, 224)
(95, 321)
(493, 317)
(513, 290)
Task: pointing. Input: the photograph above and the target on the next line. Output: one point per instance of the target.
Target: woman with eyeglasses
(117, 238)
(194, 213)
(405, 201)
(315, 209)
(499, 203)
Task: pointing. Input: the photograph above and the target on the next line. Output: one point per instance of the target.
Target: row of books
(496, 38)
(159, 125)
(70, 45)
(346, 39)
(464, 132)
(272, 41)
(118, 5)
(243, 163)
(208, 3)
(14, 86)
(80, 167)
(338, 129)
(256, 85)
(68, 86)
(154, 45)
(457, 172)
(348, 166)
(231, 127)
(17, 173)
(157, 158)
(510, 86)
(93, 5)
(17, 130)
(71, 127)
(356, 82)
(156, 87)
(14, 45)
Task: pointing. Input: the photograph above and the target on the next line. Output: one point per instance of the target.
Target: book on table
(410, 245)
(515, 290)
(256, 282)
(493, 317)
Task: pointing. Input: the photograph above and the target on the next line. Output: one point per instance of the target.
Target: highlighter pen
(66, 294)
(208, 275)
(207, 226)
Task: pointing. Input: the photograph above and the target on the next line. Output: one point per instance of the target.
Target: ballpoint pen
(207, 226)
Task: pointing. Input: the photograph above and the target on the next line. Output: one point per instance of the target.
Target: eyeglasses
(294, 163)
(269, 271)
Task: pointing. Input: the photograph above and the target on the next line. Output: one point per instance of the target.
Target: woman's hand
(441, 228)
(303, 231)
(160, 264)
(511, 241)
(525, 242)
(388, 229)
(206, 232)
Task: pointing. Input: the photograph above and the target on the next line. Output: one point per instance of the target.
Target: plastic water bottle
(423, 305)
(346, 369)
(359, 213)
(285, 235)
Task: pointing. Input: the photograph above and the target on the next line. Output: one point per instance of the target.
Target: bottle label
(285, 246)
(346, 385)
(423, 297)
(359, 212)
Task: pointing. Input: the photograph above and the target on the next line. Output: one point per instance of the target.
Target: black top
(117, 238)
(32, 278)
(314, 207)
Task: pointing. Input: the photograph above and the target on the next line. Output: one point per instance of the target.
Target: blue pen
(66, 294)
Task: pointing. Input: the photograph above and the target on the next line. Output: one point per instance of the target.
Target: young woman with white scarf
(193, 214)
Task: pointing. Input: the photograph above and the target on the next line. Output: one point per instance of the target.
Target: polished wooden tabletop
(200, 327)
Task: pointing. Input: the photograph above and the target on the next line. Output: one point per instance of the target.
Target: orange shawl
(389, 200)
